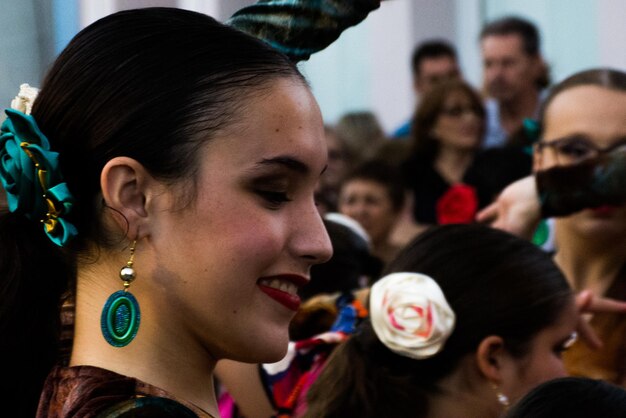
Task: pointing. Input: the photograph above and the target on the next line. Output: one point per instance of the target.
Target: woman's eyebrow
(286, 161)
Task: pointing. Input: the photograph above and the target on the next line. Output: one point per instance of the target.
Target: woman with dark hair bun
(466, 323)
(163, 178)
(572, 397)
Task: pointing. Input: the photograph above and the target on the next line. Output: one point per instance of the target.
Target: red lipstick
(290, 300)
(604, 211)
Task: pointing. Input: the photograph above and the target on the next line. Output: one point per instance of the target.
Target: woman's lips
(283, 289)
(604, 211)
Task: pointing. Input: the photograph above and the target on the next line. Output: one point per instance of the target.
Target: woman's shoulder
(87, 391)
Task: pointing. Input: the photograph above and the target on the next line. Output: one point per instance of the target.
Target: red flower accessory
(458, 205)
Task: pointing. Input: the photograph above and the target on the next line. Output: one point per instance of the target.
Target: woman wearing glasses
(584, 117)
(446, 173)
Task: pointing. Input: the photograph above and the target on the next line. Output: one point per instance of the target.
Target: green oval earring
(121, 315)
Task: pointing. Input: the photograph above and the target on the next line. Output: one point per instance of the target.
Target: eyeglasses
(458, 111)
(576, 149)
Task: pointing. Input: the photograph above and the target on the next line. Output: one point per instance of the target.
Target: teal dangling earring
(120, 316)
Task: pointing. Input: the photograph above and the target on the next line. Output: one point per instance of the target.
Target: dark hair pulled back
(572, 397)
(151, 84)
(496, 284)
(608, 78)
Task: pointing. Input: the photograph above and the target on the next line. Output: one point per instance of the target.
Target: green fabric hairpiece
(29, 172)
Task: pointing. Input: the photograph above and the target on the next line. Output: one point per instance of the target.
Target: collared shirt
(495, 135)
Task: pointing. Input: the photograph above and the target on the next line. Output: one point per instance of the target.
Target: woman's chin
(599, 223)
(269, 352)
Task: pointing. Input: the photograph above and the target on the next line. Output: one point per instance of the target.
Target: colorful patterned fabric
(30, 175)
(290, 379)
(299, 28)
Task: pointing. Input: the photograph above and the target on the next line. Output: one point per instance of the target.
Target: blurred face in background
(508, 70)
(368, 202)
(327, 190)
(580, 123)
(459, 124)
(336, 169)
(434, 71)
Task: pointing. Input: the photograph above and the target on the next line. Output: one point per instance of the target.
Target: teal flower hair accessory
(30, 174)
(532, 129)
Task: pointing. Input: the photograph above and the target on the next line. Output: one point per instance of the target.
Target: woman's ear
(125, 185)
(491, 358)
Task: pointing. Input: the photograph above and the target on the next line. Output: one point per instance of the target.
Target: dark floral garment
(92, 392)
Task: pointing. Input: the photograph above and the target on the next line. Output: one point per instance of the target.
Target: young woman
(583, 118)
(165, 178)
(469, 321)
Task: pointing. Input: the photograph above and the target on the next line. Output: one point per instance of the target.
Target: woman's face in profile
(577, 123)
(543, 361)
(231, 262)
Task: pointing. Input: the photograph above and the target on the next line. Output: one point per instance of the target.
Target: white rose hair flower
(410, 314)
(25, 99)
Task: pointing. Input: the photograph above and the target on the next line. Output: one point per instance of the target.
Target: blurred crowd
(462, 147)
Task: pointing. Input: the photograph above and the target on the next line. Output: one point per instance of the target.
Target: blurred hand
(587, 302)
(516, 210)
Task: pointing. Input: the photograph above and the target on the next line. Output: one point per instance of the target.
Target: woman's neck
(160, 355)
(461, 398)
(452, 163)
(585, 266)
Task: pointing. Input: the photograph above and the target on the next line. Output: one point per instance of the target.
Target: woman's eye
(565, 345)
(274, 198)
(575, 150)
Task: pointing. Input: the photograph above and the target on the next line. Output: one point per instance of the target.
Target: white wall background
(25, 34)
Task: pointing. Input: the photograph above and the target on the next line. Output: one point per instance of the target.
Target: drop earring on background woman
(121, 314)
(502, 398)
